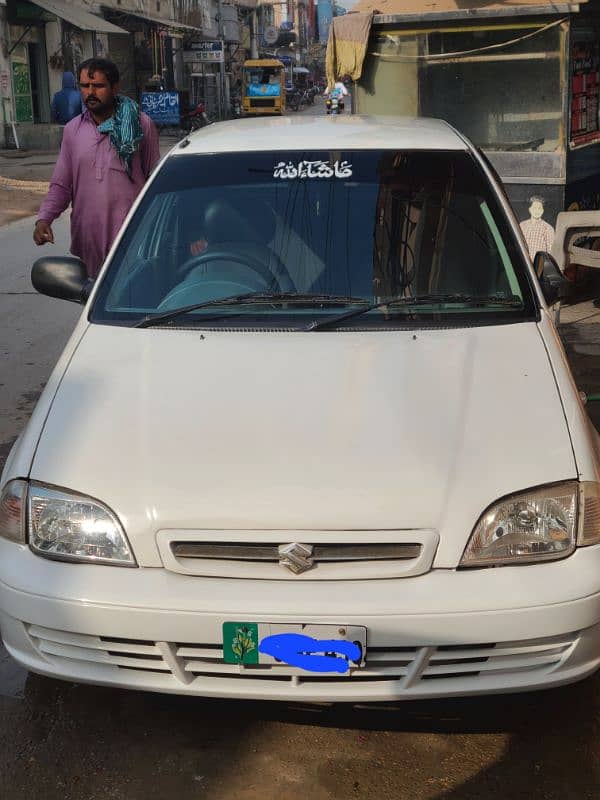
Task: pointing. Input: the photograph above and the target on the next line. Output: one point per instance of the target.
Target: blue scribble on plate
(312, 655)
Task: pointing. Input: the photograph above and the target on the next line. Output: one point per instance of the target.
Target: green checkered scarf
(124, 129)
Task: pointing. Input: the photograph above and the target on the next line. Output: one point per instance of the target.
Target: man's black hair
(109, 68)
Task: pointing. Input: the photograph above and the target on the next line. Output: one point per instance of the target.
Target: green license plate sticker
(240, 642)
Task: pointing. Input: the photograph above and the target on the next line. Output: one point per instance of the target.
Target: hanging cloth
(347, 46)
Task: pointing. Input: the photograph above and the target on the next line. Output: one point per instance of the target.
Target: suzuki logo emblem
(296, 557)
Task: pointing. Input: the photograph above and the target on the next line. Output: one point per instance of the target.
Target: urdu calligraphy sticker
(312, 169)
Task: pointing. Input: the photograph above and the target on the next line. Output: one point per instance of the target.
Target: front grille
(262, 102)
(298, 554)
(270, 553)
(181, 663)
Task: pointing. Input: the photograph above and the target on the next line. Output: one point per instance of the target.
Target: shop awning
(409, 10)
(76, 16)
(163, 22)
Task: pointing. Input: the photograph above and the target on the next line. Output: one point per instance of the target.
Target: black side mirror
(65, 278)
(552, 282)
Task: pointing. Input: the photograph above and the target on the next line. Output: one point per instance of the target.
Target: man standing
(107, 154)
(66, 104)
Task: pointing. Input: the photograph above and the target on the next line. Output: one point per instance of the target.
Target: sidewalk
(24, 177)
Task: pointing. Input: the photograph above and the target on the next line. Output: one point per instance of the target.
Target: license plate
(309, 648)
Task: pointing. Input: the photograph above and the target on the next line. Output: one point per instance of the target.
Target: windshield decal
(313, 169)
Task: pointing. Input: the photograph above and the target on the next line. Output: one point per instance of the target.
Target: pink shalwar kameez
(90, 175)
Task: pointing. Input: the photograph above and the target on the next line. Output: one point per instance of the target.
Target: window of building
(499, 86)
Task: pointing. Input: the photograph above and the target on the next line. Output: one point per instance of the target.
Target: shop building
(39, 42)
(152, 56)
(520, 79)
(148, 41)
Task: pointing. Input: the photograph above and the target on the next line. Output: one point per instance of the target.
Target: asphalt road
(75, 742)
(34, 328)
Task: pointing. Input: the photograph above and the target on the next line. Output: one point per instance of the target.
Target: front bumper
(442, 634)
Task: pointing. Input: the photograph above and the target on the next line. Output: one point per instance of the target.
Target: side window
(138, 283)
(506, 276)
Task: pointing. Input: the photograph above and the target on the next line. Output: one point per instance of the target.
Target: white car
(314, 436)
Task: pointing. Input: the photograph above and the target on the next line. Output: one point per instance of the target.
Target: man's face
(96, 92)
(536, 209)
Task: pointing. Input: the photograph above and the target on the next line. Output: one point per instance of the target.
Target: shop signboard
(211, 51)
(161, 107)
(585, 89)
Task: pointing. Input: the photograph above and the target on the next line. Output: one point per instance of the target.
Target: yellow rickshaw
(263, 87)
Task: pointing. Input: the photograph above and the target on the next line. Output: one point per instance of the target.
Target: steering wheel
(228, 255)
(258, 278)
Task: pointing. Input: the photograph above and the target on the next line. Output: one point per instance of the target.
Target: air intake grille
(184, 662)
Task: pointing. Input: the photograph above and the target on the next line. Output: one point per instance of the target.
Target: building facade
(193, 47)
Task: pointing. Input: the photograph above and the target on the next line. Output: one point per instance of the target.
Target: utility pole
(222, 62)
(254, 33)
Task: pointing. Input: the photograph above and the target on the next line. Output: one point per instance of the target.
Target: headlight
(12, 511)
(71, 527)
(537, 525)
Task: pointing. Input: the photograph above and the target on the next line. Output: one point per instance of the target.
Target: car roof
(338, 132)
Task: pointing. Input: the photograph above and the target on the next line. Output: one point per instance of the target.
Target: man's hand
(199, 246)
(42, 233)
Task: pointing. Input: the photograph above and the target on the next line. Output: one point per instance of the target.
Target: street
(323, 434)
(34, 328)
(77, 742)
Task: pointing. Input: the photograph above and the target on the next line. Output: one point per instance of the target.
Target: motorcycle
(236, 105)
(334, 104)
(292, 99)
(194, 119)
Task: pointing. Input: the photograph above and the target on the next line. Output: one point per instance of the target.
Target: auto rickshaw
(263, 87)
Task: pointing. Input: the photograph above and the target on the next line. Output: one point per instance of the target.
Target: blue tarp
(263, 90)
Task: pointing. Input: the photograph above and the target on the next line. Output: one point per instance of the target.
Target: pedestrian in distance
(106, 156)
(66, 104)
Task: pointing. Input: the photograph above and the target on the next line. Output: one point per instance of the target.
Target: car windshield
(328, 231)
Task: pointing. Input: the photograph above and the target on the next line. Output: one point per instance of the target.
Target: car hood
(299, 431)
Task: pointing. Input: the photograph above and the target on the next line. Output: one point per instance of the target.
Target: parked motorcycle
(194, 119)
(293, 99)
(236, 105)
(313, 91)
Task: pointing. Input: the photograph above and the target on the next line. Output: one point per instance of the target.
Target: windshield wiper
(249, 297)
(513, 301)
